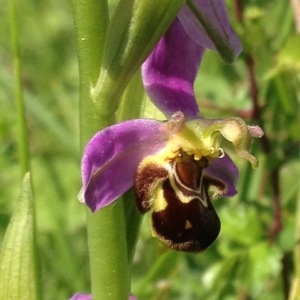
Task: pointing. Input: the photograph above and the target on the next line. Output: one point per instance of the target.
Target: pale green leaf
(18, 264)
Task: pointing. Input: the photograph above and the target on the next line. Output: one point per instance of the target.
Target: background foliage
(254, 256)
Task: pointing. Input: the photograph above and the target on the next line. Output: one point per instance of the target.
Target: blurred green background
(254, 255)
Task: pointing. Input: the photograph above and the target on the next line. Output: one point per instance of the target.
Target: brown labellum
(183, 215)
(148, 179)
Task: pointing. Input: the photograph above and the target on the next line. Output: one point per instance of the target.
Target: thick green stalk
(295, 287)
(110, 278)
(297, 250)
(21, 120)
(90, 21)
(106, 229)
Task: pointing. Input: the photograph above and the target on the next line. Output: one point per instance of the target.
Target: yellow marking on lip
(160, 202)
(188, 224)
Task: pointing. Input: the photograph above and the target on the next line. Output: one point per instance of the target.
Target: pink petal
(224, 40)
(225, 171)
(79, 296)
(169, 72)
(111, 158)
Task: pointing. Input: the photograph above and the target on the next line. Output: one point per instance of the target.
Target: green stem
(132, 107)
(106, 229)
(90, 21)
(297, 252)
(108, 253)
(21, 123)
(133, 100)
(32, 271)
(295, 288)
(133, 223)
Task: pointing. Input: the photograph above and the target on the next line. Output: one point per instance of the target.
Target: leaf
(18, 260)
(288, 59)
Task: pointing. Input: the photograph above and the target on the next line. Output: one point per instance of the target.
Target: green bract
(18, 265)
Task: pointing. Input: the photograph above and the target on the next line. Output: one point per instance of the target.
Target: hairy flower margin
(168, 75)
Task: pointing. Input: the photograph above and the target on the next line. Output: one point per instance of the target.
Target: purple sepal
(225, 171)
(79, 296)
(111, 158)
(170, 71)
(215, 15)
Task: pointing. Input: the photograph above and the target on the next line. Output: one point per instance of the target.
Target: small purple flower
(177, 166)
(79, 296)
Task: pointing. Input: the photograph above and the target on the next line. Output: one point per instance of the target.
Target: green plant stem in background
(295, 287)
(21, 120)
(106, 229)
(297, 250)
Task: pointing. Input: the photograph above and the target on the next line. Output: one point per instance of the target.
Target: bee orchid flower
(177, 166)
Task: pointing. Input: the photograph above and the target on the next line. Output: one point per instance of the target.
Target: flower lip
(177, 192)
